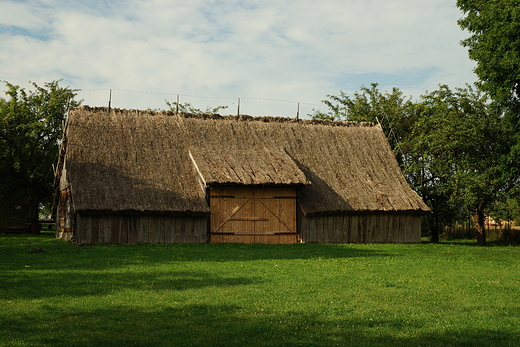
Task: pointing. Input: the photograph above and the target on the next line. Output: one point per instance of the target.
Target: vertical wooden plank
(348, 231)
(141, 235)
(114, 229)
(192, 236)
(160, 231)
(310, 228)
(181, 229)
(379, 220)
(92, 235)
(80, 230)
(362, 228)
(167, 236)
(321, 229)
(195, 227)
(166, 227)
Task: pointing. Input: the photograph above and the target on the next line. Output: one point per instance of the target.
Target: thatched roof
(263, 166)
(129, 160)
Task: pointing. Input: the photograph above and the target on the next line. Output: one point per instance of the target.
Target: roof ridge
(242, 117)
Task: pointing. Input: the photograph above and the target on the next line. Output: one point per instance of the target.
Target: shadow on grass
(96, 283)
(59, 254)
(473, 243)
(251, 252)
(229, 325)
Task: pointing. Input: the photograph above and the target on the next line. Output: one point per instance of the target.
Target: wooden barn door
(253, 215)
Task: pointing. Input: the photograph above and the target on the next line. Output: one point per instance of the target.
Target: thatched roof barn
(141, 176)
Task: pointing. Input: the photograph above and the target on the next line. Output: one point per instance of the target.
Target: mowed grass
(53, 293)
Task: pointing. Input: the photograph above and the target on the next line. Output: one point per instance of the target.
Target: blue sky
(270, 54)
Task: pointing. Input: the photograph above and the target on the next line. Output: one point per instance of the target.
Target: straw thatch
(267, 166)
(128, 160)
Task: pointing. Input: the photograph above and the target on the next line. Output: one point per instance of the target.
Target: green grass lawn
(55, 294)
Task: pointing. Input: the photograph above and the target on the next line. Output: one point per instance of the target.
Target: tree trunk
(434, 227)
(34, 214)
(479, 219)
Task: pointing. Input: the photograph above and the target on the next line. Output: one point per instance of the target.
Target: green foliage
(459, 136)
(495, 45)
(257, 295)
(30, 129)
(461, 141)
(186, 107)
(506, 210)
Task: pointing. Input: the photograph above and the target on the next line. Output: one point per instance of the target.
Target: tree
(495, 46)
(30, 130)
(186, 107)
(462, 135)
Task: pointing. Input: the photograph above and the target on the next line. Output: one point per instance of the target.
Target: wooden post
(177, 105)
(238, 107)
(109, 100)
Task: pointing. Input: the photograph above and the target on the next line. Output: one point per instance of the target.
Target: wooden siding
(253, 214)
(362, 228)
(64, 215)
(129, 229)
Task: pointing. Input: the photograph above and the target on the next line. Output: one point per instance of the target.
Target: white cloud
(287, 50)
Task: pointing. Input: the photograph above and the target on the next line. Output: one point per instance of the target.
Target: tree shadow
(473, 243)
(230, 325)
(63, 255)
(82, 283)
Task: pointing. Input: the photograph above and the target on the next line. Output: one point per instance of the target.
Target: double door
(253, 214)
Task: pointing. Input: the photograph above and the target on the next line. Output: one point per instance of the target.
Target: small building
(13, 215)
(129, 176)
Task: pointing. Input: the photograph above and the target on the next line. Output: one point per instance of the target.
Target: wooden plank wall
(362, 228)
(128, 229)
(64, 215)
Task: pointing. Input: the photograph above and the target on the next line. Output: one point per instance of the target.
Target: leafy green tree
(187, 107)
(30, 130)
(464, 142)
(495, 45)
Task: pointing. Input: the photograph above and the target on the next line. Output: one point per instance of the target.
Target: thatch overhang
(129, 160)
(266, 167)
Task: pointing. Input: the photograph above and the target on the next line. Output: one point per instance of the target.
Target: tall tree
(30, 131)
(462, 133)
(495, 45)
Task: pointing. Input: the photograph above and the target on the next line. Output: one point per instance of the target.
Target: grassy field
(55, 294)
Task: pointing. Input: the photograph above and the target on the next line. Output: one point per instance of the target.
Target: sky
(258, 57)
